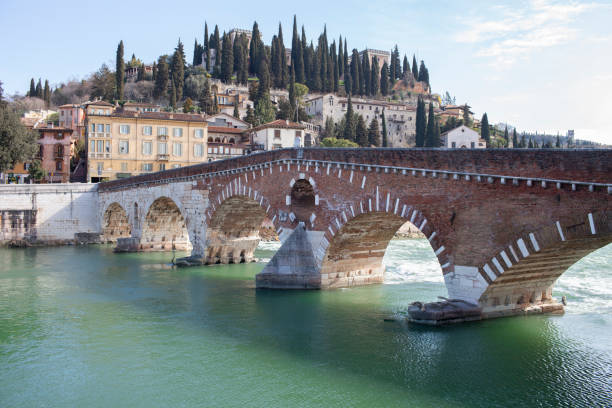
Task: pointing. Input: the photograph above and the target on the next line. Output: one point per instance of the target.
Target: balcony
(97, 155)
(162, 138)
(163, 157)
(100, 135)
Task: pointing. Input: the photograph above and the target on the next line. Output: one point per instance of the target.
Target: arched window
(210, 139)
(59, 150)
(232, 140)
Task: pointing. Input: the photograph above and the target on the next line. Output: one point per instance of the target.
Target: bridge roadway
(503, 223)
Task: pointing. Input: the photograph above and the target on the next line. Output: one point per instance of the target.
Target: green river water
(83, 327)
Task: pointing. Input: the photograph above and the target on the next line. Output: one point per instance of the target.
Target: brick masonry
(504, 224)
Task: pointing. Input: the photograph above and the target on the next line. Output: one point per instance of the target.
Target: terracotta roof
(98, 103)
(280, 123)
(151, 105)
(185, 117)
(229, 116)
(70, 105)
(225, 129)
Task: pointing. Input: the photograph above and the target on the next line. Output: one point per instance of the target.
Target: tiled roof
(225, 129)
(280, 123)
(98, 103)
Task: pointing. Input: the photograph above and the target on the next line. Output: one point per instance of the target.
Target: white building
(462, 137)
(400, 118)
(225, 120)
(279, 134)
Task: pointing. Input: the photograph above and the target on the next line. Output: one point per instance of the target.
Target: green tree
(263, 87)
(227, 59)
(297, 58)
(385, 142)
(39, 89)
(162, 78)
(367, 76)
(374, 133)
(557, 143)
(36, 171)
(349, 129)
(384, 79)
(47, 93)
(374, 80)
(421, 123)
(178, 71)
(236, 111)
(515, 142)
(361, 133)
(264, 110)
(506, 137)
(119, 71)
(292, 95)
(188, 105)
(406, 66)
(340, 58)
(333, 142)
(484, 128)
(415, 68)
(206, 46)
(357, 89)
(32, 92)
(17, 143)
(423, 73)
(329, 127)
(250, 116)
(256, 51)
(103, 83)
(430, 136)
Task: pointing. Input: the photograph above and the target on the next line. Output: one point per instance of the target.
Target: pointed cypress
(374, 80)
(32, 92)
(206, 47)
(355, 68)
(161, 79)
(385, 143)
(431, 128)
(349, 126)
(421, 123)
(47, 93)
(119, 72)
(367, 76)
(406, 66)
(39, 89)
(415, 68)
(384, 79)
(297, 57)
(227, 63)
(361, 133)
(340, 58)
(515, 139)
(484, 128)
(374, 134)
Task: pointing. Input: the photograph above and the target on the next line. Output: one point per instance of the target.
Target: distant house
(141, 107)
(462, 137)
(225, 142)
(279, 134)
(226, 120)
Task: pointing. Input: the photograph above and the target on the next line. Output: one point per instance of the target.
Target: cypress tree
(530, 145)
(345, 55)
(423, 73)
(237, 53)
(515, 142)
(384, 79)
(523, 145)
(392, 68)
(557, 144)
(263, 87)
(297, 58)
(205, 100)
(227, 63)
(256, 51)
(336, 68)
(349, 128)
(173, 98)
(374, 134)
(39, 89)
(506, 137)
(361, 133)
(406, 66)
(340, 58)
(250, 116)
(216, 44)
(32, 92)
(398, 68)
(178, 71)
(243, 73)
(385, 143)
(374, 80)
(162, 78)
(206, 46)
(484, 129)
(415, 68)
(356, 83)
(236, 111)
(367, 76)
(421, 123)
(292, 99)
(315, 83)
(47, 93)
(330, 70)
(431, 128)
(120, 71)
(284, 70)
(348, 82)
(196, 49)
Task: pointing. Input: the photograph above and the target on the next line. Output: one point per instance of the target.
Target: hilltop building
(462, 137)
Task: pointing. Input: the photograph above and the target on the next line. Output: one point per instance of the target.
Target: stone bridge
(504, 224)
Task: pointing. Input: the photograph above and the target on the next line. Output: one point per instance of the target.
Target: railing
(163, 157)
(100, 135)
(96, 155)
(162, 138)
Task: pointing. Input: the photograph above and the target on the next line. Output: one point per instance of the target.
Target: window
(100, 168)
(107, 128)
(177, 132)
(92, 146)
(277, 133)
(124, 129)
(177, 149)
(198, 150)
(215, 150)
(298, 133)
(199, 133)
(162, 166)
(162, 148)
(58, 165)
(100, 128)
(162, 131)
(209, 150)
(124, 167)
(453, 144)
(107, 146)
(147, 166)
(472, 145)
(59, 150)
(147, 147)
(93, 127)
(176, 166)
(124, 147)
(100, 146)
(147, 130)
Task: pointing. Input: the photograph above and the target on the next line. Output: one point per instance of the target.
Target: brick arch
(233, 222)
(115, 223)
(355, 243)
(163, 226)
(522, 275)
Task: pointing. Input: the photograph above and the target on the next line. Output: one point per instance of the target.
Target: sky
(539, 65)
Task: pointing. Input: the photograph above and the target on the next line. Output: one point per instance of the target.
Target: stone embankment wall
(47, 214)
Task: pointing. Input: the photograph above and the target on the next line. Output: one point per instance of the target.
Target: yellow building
(126, 143)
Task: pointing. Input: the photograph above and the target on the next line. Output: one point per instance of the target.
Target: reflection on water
(86, 327)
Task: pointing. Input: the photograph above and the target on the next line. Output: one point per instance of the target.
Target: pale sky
(540, 65)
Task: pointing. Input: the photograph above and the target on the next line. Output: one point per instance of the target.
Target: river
(83, 327)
